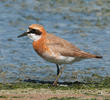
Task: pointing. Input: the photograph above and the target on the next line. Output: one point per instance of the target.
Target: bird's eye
(33, 30)
(37, 32)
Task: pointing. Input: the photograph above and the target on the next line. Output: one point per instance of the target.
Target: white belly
(61, 59)
(64, 59)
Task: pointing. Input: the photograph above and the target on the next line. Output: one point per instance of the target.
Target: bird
(55, 49)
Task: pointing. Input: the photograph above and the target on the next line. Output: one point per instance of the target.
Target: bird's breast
(40, 47)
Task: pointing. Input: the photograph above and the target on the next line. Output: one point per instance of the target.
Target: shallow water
(86, 23)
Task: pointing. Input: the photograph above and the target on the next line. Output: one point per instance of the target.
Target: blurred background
(85, 23)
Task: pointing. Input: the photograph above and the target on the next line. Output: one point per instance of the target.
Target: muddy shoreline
(39, 91)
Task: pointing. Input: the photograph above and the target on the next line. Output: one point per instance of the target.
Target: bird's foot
(55, 83)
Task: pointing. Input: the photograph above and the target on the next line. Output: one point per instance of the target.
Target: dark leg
(59, 72)
(58, 69)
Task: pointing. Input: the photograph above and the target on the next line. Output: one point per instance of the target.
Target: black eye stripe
(37, 32)
(33, 31)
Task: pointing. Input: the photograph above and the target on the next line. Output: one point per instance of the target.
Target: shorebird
(55, 49)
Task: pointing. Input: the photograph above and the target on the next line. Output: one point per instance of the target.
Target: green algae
(66, 98)
(2, 96)
(105, 83)
(70, 98)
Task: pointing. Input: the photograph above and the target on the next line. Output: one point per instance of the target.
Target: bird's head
(35, 31)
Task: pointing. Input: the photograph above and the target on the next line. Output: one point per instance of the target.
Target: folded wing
(64, 48)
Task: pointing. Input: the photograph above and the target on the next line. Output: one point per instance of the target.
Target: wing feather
(65, 48)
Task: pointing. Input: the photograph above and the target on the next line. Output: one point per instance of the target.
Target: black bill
(24, 34)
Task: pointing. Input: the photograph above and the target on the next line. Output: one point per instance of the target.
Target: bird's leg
(58, 69)
(59, 72)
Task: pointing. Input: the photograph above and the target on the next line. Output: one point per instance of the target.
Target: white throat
(34, 36)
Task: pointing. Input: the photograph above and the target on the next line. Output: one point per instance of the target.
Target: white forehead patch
(34, 36)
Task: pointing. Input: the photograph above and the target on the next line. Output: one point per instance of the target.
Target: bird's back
(66, 48)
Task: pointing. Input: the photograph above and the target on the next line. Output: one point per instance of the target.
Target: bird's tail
(89, 55)
(98, 57)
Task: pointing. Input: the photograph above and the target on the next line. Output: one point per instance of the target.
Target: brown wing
(65, 48)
